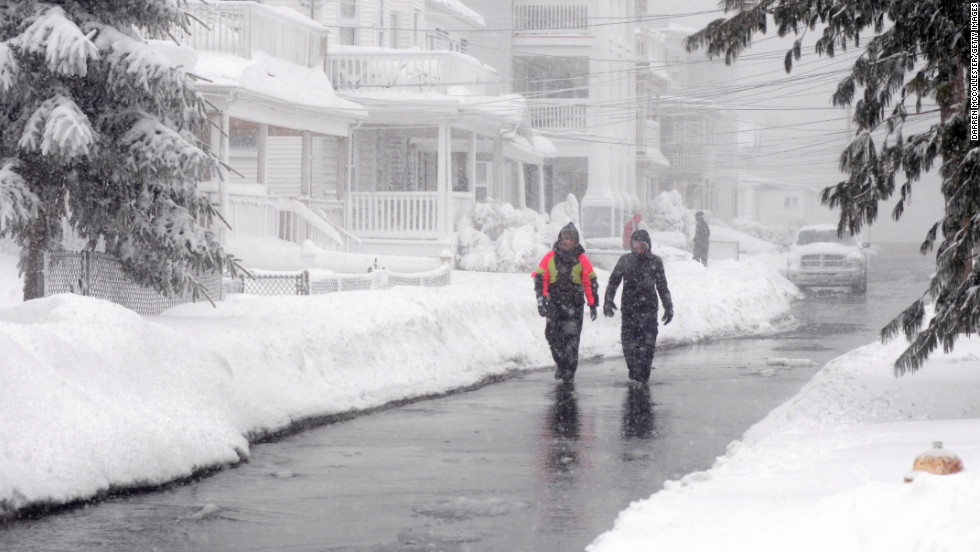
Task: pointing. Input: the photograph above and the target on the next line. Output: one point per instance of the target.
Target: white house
(276, 122)
(574, 61)
(698, 136)
(439, 134)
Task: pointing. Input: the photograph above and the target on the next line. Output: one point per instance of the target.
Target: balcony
(687, 158)
(559, 114)
(240, 28)
(409, 70)
(551, 17)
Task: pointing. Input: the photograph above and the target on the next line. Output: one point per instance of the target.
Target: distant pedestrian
(632, 226)
(643, 277)
(564, 283)
(701, 235)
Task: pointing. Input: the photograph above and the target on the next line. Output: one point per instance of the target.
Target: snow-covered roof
(458, 10)
(508, 107)
(280, 82)
(530, 149)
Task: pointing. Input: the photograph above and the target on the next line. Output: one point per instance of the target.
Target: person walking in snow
(564, 283)
(643, 277)
(701, 234)
(631, 226)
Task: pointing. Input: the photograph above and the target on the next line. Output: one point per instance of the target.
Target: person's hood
(643, 236)
(578, 249)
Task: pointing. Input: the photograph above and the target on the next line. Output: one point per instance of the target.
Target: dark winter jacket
(567, 276)
(643, 279)
(701, 234)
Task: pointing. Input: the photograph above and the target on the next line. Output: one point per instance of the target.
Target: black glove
(593, 312)
(542, 306)
(668, 315)
(609, 309)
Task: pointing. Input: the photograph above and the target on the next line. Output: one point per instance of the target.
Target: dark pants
(639, 335)
(701, 254)
(563, 330)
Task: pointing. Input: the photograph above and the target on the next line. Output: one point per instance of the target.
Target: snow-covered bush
(561, 214)
(496, 237)
(666, 213)
(779, 234)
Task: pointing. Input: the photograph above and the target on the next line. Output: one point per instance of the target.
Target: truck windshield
(823, 236)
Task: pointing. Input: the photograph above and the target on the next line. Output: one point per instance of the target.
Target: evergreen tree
(99, 129)
(920, 49)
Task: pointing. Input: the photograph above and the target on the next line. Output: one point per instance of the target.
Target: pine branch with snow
(919, 51)
(103, 131)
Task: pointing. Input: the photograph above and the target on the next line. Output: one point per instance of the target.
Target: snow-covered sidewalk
(95, 398)
(825, 471)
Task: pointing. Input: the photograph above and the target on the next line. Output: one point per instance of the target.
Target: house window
(416, 27)
(395, 35)
(382, 32)
(348, 22)
(791, 202)
(348, 10)
(438, 39)
(483, 172)
(348, 36)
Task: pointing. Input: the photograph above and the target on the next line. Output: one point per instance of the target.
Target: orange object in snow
(936, 460)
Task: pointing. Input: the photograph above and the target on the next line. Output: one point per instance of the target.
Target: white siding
(285, 156)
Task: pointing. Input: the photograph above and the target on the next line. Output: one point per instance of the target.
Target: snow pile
(825, 471)
(666, 213)
(278, 255)
(95, 398)
(781, 235)
(496, 237)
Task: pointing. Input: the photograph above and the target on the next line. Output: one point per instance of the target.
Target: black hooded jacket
(643, 279)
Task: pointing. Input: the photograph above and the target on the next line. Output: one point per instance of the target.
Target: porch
(353, 68)
(240, 28)
(551, 17)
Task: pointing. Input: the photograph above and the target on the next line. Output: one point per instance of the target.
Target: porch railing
(240, 28)
(252, 216)
(298, 223)
(288, 219)
(395, 214)
(551, 17)
(690, 158)
(410, 70)
(556, 114)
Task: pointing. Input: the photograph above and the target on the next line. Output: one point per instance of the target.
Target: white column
(541, 200)
(471, 165)
(262, 168)
(521, 186)
(497, 181)
(444, 180)
(306, 162)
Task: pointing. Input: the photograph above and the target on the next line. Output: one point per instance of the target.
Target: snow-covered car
(819, 258)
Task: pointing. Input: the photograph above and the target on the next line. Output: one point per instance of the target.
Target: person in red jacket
(564, 283)
(632, 226)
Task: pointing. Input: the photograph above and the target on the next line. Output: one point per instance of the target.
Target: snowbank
(95, 398)
(825, 471)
